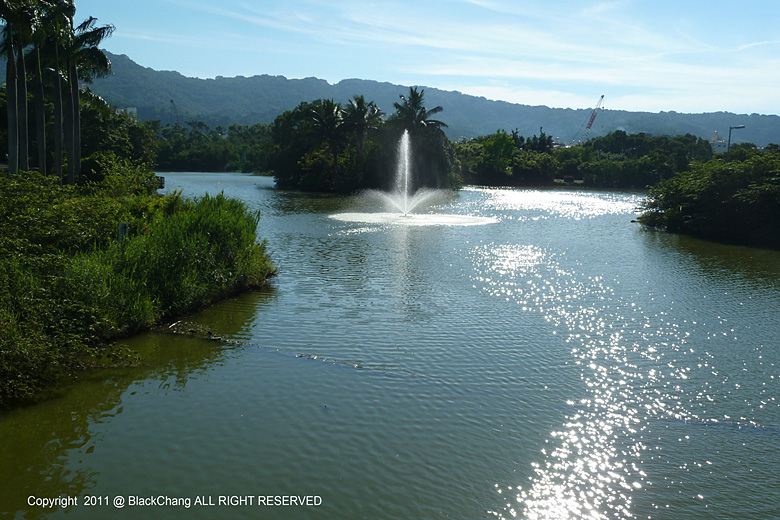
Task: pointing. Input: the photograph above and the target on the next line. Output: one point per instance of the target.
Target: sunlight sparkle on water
(414, 219)
(589, 467)
(554, 203)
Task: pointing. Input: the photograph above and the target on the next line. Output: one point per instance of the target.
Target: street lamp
(728, 147)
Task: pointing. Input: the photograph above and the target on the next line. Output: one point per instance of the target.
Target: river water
(558, 362)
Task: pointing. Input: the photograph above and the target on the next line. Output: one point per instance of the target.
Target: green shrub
(68, 286)
(201, 252)
(736, 201)
(117, 177)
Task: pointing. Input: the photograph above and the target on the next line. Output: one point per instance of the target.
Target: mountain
(170, 96)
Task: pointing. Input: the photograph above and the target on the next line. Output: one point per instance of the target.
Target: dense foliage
(615, 160)
(735, 201)
(109, 135)
(198, 148)
(68, 284)
(320, 146)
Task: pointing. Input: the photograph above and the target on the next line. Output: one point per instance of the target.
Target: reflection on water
(558, 363)
(291, 203)
(53, 439)
(414, 219)
(725, 265)
(585, 470)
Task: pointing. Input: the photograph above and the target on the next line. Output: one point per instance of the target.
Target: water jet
(402, 201)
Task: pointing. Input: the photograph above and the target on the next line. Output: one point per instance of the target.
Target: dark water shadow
(714, 261)
(44, 444)
(294, 203)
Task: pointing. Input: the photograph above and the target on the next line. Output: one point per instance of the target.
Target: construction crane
(589, 122)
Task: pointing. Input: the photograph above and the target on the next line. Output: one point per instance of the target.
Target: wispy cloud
(757, 44)
(569, 50)
(572, 38)
(169, 39)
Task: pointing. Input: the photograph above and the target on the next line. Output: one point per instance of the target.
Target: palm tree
(29, 34)
(21, 97)
(85, 61)
(10, 14)
(56, 24)
(328, 117)
(48, 25)
(22, 21)
(67, 35)
(361, 118)
(412, 115)
(10, 96)
(27, 13)
(432, 155)
(39, 34)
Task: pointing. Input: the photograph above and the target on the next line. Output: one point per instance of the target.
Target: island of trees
(319, 146)
(735, 201)
(322, 146)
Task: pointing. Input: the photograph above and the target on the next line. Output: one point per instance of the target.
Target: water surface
(558, 362)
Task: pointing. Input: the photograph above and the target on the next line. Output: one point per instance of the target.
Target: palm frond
(93, 63)
(434, 110)
(91, 36)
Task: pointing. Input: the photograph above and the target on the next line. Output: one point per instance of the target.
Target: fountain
(403, 169)
(403, 201)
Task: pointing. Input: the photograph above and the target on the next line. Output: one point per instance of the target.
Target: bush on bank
(68, 284)
(730, 201)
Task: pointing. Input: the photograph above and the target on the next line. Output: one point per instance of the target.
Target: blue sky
(652, 55)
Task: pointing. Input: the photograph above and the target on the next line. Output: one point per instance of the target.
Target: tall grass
(67, 285)
(203, 252)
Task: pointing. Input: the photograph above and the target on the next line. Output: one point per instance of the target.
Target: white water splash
(400, 203)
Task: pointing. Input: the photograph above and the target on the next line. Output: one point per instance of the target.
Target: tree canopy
(322, 146)
(62, 54)
(734, 201)
(618, 159)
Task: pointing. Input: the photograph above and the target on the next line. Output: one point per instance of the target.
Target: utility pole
(728, 147)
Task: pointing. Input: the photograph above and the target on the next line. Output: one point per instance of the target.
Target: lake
(557, 361)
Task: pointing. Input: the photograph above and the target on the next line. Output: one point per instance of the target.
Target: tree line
(617, 160)
(735, 200)
(319, 145)
(195, 146)
(323, 146)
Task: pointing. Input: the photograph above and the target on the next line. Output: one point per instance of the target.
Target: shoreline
(70, 286)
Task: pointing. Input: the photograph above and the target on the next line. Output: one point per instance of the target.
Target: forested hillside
(259, 99)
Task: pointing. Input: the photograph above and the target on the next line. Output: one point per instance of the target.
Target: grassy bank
(68, 284)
